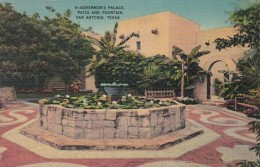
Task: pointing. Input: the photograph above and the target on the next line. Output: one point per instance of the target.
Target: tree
(108, 47)
(190, 68)
(41, 48)
(151, 76)
(247, 24)
(21, 39)
(67, 50)
(123, 68)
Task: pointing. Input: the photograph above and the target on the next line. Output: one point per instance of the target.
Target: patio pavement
(225, 142)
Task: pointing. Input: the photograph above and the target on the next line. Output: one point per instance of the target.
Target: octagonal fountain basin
(112, 123)
(103, 129)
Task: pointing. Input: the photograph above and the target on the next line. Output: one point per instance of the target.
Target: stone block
(78, 116)
(172, 122)
(133, 132)
(58, 117)
(145, 122)
(167, 125)
(57, 129)
(177, 119)
(121, 132)
(80, 124)
(72, 123)
(94, 133)
(103, 123)
(144, 133)
(133, 113)
(91, 116)
(160, 120)
(65, 122)
(156, 131)
(173, 110)
(143, 112)
(70, 114)
(50, 117)
(89, 124)
(111, 115)
(76, 133)
(182, 118)
(165, 112)
(154, 119)
(109, 133)
(135, 121)
(101, 116)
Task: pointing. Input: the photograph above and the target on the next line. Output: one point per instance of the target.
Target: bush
(230, 104)
(254, 113)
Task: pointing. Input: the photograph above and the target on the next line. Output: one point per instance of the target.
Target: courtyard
(226, 141)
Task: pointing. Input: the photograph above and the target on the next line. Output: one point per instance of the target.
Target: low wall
(7, 94)
(112, 123)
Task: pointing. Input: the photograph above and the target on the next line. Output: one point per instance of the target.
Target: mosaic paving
(225, 142)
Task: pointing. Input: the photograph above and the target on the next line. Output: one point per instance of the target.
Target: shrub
(255, 113)
(230, 104)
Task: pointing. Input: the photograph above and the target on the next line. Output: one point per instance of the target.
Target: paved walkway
(225, 142)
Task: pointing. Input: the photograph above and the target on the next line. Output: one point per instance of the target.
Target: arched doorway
(213, 74)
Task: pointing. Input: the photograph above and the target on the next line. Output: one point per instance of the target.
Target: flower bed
(93, 101)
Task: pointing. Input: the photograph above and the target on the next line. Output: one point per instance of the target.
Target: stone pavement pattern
(225, 142)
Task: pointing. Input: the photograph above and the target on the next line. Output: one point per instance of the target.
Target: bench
(246, 102)
(56, 89)
(159, 93)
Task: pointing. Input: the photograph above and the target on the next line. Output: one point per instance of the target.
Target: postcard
(129, 83)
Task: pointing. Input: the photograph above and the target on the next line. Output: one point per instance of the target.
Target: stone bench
(246, 102)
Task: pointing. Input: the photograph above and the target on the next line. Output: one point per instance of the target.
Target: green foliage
(255, 127)
(255, 93)
(21, 40)
(246, 21)
(248, 164)
(193, 71)
(250, 69)
(108, 47)
(93, 101)
(217, 84)
(234, 88)
(123, 68)
(151, 76)
(66, 49)
(38, 49)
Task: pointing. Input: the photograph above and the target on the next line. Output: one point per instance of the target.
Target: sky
(207, 13)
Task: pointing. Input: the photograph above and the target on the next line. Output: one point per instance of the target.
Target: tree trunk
(182, 78)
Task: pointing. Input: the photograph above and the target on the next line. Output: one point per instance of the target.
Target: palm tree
(151, 76)
(188, 61)
(250, 69)
(108, 47)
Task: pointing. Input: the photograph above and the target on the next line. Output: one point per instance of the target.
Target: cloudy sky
(207, 13)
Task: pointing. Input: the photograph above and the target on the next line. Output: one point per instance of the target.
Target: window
(138, 45)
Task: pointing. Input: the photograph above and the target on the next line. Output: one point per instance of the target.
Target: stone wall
(7, 94)
(112, 123)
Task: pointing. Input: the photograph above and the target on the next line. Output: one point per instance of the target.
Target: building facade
(159, 32)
